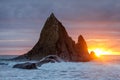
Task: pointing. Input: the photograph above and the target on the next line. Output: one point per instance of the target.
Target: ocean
(104, 68)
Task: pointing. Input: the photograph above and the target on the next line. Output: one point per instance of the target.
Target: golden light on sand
(100, 51)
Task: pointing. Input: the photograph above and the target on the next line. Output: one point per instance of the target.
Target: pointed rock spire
(52, 15)
(80, 38)
(54, 40)
(81, 48)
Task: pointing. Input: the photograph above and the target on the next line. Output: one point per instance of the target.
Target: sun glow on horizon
(100, 51)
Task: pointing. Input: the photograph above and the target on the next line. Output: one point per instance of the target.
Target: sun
(99, 52)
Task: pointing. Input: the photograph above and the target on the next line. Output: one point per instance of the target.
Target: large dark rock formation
(54, 40)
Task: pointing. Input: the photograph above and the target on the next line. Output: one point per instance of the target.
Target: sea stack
(54, 40)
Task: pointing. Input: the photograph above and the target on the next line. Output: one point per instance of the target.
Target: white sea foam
(93, 70)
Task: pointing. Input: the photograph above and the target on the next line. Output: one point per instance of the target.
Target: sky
(22, 20)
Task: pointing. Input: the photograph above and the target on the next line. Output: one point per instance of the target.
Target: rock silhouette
(93, 55)
(26, 65)
(81, 48)
(30, 65)
(49, 59)
(54, 40)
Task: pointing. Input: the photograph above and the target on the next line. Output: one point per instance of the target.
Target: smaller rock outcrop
(93, 55)
(27, 65)
(49, 58)
(82, 50)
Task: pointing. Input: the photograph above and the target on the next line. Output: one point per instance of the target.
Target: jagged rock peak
(52, 17)
(80, 38)
(81, 48)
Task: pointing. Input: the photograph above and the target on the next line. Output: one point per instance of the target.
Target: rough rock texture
(54, 40)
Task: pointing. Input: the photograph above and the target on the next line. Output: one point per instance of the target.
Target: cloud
(24, 19)
(77, 9)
